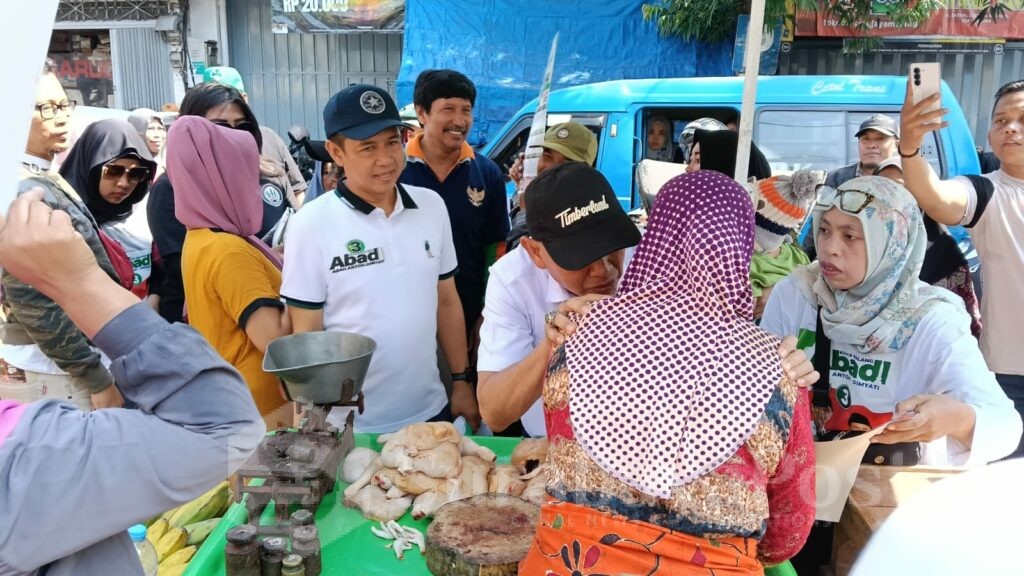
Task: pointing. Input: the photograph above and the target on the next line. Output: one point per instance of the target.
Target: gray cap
(879, 123)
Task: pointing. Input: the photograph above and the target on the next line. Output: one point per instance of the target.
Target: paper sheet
(835, 470)
(31, 35)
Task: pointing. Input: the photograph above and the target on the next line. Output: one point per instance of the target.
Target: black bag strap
(821, 361)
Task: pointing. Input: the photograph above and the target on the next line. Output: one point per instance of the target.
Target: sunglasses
(849, 201)
(136, 174)
(243, 125)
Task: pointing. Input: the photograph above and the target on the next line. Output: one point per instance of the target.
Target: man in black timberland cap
(876, 141)
(574, 220)
(376, 257)
(578, 236)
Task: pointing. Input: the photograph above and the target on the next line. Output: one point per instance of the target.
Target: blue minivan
(799, 122)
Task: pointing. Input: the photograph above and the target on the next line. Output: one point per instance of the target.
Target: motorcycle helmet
(686, 137)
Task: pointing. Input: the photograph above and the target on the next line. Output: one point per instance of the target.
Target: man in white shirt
(992, 209)
(578, 235)
(574, 254)
(376, 258)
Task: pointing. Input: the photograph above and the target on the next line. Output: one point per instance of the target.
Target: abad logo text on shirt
(570, 216)
(357, 257)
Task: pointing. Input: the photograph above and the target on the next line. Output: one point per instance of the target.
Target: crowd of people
(681, 370)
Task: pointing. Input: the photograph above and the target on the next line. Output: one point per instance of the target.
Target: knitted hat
(782, 204)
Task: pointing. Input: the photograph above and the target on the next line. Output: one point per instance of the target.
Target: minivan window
(679, 118)
(823, 139)
(515, 139)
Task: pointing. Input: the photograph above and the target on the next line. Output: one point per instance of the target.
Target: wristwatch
(457, 376)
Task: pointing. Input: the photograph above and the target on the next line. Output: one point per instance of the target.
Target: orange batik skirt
(575, 540)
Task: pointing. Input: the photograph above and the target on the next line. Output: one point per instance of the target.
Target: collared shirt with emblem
(474, 194)
(377, 275)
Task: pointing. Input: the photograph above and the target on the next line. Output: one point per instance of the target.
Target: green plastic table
(349, 548)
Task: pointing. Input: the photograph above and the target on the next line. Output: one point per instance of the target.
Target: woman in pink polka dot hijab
(677, 445)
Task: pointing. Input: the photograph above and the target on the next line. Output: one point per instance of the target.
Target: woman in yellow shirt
(231, 278)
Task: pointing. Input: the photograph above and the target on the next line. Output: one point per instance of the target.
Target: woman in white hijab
(659, 140)
(893, 347)
(150, 126)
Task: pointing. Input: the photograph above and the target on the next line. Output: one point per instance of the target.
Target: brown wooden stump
(486, 535)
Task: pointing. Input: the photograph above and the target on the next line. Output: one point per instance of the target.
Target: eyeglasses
(49, 111)
(849, 201)
(116, 171)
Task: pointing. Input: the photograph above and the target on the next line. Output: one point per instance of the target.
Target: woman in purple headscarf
(677, 445)
(232, 279)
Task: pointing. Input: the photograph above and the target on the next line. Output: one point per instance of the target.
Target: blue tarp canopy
(503, 45)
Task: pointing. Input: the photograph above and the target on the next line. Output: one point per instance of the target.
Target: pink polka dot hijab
(670, 377)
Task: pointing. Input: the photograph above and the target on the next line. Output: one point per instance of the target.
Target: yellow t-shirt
(227, 279)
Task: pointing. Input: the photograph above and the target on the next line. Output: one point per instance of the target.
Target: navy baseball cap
(359, 112)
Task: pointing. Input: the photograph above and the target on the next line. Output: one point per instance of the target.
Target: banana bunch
(178, 533)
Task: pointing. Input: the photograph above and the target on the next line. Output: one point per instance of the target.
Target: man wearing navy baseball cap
(376, 257)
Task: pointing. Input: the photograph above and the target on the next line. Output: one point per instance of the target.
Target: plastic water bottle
(145, 549)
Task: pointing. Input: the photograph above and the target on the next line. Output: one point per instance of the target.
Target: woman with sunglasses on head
(111, 167)
(231, 278)
(224, 106)
(889, 346)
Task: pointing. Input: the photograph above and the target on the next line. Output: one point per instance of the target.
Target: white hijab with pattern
(881, 313)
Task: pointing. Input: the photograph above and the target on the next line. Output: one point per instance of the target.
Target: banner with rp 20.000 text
(337, 15)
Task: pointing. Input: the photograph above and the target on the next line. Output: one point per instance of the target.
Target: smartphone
(925, 79)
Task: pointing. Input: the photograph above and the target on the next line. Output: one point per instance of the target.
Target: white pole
(31, 35)
(752, 66)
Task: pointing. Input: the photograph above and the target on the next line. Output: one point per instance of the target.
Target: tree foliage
(715, 20)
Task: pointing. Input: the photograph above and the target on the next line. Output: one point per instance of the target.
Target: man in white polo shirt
(991, 207)
(575, 253)
(376, 258)
(576, 245)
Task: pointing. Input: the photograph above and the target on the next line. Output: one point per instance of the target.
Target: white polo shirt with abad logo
(377, 275)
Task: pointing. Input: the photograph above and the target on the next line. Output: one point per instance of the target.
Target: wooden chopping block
(486, 535)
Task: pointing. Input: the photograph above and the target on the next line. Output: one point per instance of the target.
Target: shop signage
(939, 46)
(337, 15)
(90, 76)
(956, 19)
(771, 42)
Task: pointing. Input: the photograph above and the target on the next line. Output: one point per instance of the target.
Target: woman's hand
(916, 121)
(560, 326)
(795, 364)
(927, 417)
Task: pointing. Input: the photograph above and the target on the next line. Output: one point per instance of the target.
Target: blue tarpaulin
(502, 46)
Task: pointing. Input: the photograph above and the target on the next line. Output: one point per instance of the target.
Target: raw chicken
(428, 503)
(372, 502)
(505, 480)
(536, 489)
(355, 464)
(529, 454)
(415, 438)
(441, 461)
(414, 483)
(467, 447)
(363, 480)
(473, 479)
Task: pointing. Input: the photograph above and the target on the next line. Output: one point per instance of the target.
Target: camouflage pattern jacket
(32, 317)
